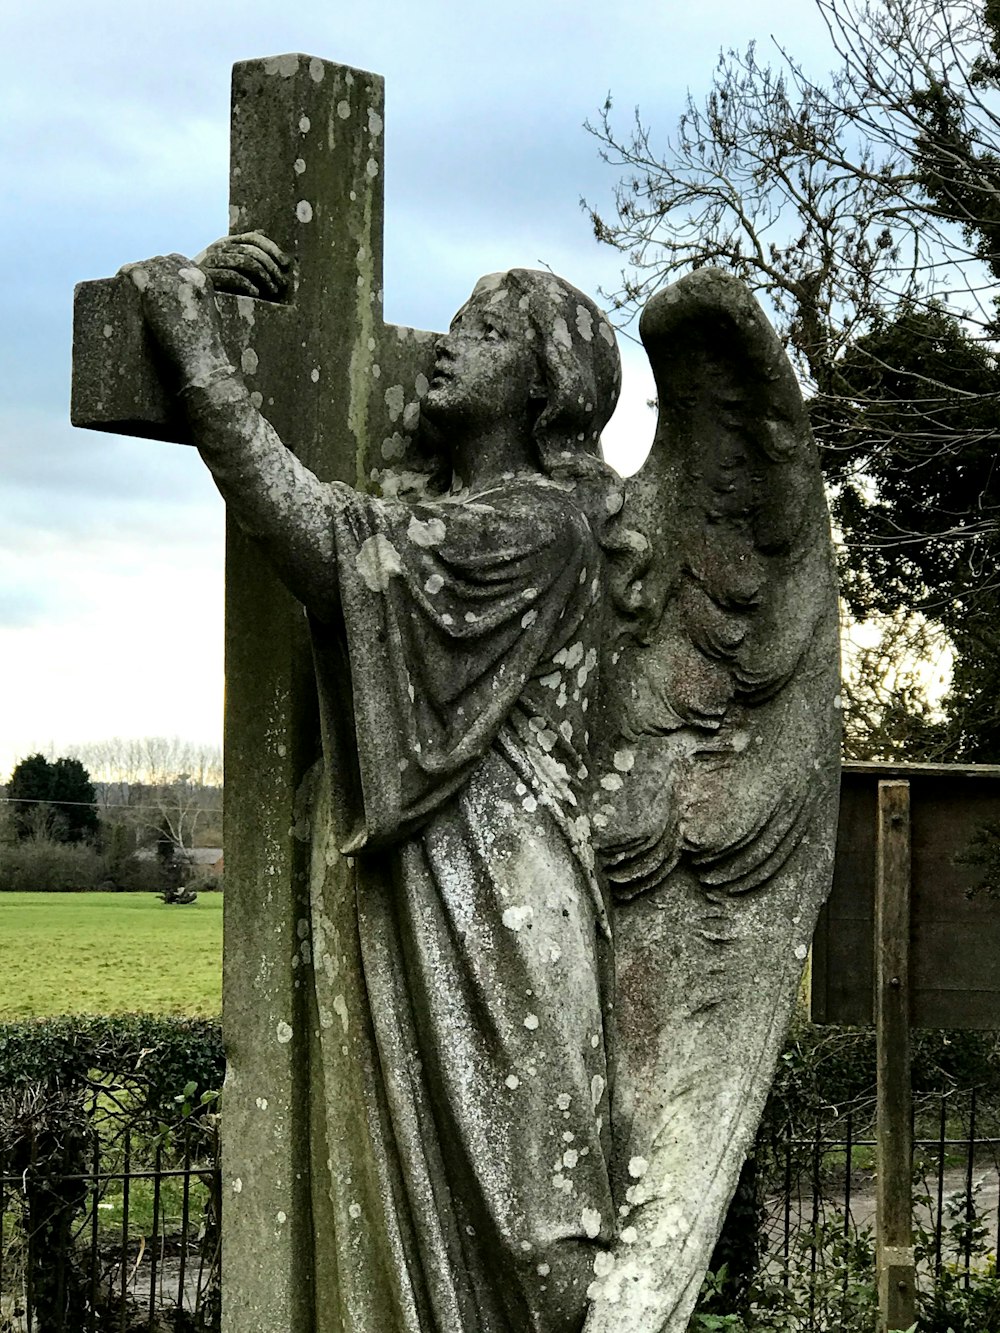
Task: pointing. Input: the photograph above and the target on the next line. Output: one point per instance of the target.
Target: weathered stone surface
(716, 779)
(570, 725)
(314, 362)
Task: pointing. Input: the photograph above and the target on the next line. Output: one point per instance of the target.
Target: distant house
(208, 860)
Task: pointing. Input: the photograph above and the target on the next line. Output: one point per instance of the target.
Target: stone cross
(342, 390)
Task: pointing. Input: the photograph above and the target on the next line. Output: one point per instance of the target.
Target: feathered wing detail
(716, 778)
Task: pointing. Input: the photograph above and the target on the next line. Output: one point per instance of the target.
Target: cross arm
(117, 382)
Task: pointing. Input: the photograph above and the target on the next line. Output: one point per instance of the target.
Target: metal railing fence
(124, 1235)
(129, 1242)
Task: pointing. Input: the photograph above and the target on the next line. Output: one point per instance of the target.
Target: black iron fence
(956, 1183)
(124, 1233)
(126, 1239)
(816, 1214)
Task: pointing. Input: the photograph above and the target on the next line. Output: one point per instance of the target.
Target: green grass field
(107, 953)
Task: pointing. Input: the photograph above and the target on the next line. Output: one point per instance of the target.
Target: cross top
(306, 169)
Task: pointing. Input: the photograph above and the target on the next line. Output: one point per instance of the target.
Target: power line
(102, 805)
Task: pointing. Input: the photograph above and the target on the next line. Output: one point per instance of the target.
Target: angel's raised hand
(180, 313)
(248, 264)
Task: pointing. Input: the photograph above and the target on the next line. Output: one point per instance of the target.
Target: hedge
(158, 1056)
(58, 867)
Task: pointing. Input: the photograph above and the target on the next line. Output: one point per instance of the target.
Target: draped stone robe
(458, 952)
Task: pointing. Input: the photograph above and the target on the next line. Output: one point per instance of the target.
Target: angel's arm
(272, 496)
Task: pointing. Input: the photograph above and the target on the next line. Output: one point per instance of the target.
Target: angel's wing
(716, 782)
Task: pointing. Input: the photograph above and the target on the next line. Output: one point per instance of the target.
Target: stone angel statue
(578, 814)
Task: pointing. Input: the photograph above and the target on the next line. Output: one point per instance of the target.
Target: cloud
(113, 644)
(21, 607)
(60, 479)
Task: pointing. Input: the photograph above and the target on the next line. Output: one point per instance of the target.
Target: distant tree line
(120, 814)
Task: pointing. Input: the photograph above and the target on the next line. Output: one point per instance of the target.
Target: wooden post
(895, 1262)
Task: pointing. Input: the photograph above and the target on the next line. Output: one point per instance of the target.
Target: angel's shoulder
(538, 512)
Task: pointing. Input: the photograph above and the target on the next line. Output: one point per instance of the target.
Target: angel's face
(486, 369)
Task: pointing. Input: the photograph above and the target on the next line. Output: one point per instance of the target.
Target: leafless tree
(163, 788)
(863, 208)
(815, 193)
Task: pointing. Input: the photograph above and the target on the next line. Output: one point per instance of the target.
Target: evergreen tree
(910, 448)
(28, 790)
(73, 796)
(54, 799)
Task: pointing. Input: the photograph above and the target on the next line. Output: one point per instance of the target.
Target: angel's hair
(579, 362)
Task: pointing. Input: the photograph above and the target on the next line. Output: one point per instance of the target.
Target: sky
(114, 124)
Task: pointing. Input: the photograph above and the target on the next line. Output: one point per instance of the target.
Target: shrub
(828, 1283)
(957, 1302)
(49, 866)
(44, 865)
(824, 1067)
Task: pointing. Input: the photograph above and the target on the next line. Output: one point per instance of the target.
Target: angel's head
(534, 355)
